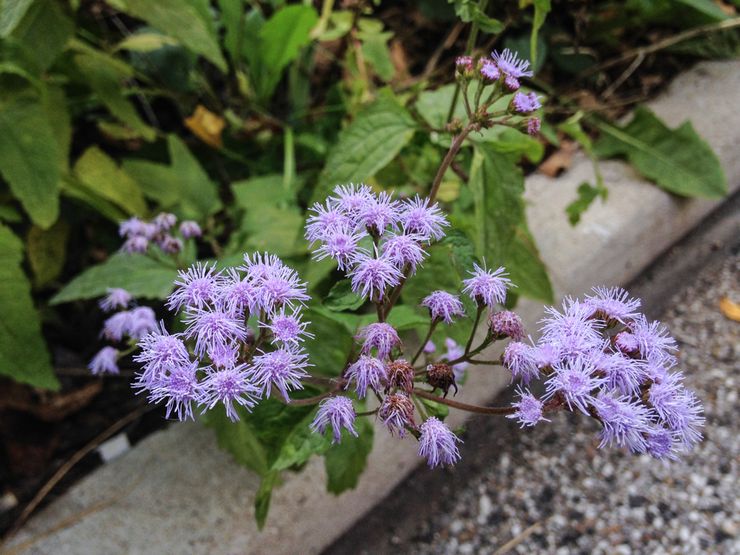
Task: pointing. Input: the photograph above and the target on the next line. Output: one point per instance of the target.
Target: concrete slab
(177, 492)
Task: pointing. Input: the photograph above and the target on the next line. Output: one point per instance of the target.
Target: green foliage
(46, 250)
(587, 193)
(678, 160)
(345, 461)
(23, 354)
(470, 11)
(341, 298)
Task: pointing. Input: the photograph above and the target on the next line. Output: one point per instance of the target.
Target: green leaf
(105, 78)
(365, 146)
(263, 496)
(145, 42)
(344, 462)
(11, 14)
(678, 160)
(341, 298)
(332, 341)
(140, 275)
(300, 445)
(541, 9)
(99, 173)
(435, 409)
(28, 159)
(469, 11)
(238, 438)
(404, 317)
(23, 353)
(434, 106)
(502, 236)
(42, 34)
(47, 251)
(375, 47)
(507, 140)
(184, 20)
(182, 187)
(74, 189)
(587, 193)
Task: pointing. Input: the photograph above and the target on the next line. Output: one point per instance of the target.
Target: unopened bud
(506, 324)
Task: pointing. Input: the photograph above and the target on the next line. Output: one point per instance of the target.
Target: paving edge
(177, 491)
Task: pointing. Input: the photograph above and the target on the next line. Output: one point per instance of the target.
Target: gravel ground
(550, 490)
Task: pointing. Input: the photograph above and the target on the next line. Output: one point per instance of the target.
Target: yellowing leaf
(730, 309)
(206, 125)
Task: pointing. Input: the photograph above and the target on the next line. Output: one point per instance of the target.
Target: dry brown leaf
(206, 125)
(730, 309)
(560, 160)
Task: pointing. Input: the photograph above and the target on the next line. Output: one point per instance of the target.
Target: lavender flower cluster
(139, 234)
(605, 359)
(504, 69)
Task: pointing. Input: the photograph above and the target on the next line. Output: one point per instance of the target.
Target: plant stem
(308, 400)
(469, 344)
(432, 325)
(464, 406)
(447, 160)
(485, 362)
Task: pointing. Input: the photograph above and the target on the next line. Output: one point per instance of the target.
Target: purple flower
(519, 359)
(260, 266)
(105, 361)
(340, 244)
(464, 62)
(117, 326)
(159, 351)
(132, 227)
(455, 351)
(437, 443)
(626, 343)
(224, 355)
(612, 304)
(443, 306)
(287, 328)
(526, 103)
(505, 324)
(533, 126)
(487, 287)
(660, 444)
(576, 381)
(136, 244)
(404, 250)
(421, 219)
(528, 409)
(282, 287)
(378, 213)
(624, 422)
(397, 411)
(141, 321)
(572, 330)
(239, 295)
(190, 229)
(622, 373)
(179, 388)
(338, 413)
(324, 221)
(116, 298)
(195, 287)
(653, 339)
(380, 336)
(229, 386)
(366, 372)
(489, 70)
(283, 368)
(677, 407)
(164, 221)
(509, 63)
(169, 244)
(546, 355)
(429, 347)
(372, 276)
(212, 328)
(511, 83)
(351, 199)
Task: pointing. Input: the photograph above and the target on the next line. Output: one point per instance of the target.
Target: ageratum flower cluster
(603, 358)
(139, 234)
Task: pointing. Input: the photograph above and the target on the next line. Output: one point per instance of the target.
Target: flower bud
(401, 375)
(441, 376)
(506, 324)
(397, 412)
(464, 68)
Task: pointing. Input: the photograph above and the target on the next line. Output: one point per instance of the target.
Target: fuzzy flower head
(622, 373)
(288, 328)
(519, 359)
(239, 295)
(283, 368)
(224, 355)
(464, 63)
(169, 244)
(351, 199)
(338, 413)
(379, 336)
(612, 304)
(133, 227)
(505, 324)
(624, 422)
(443, 306)
(379, 213)
(116, 298)
(105, 361)
(437, 443)
(341, 245)
(576, 381)
(528, 409)
(195, 287)
(572, 329)
(404, 251)
(533, 126)
(164, 221)
(397, 412)
(508, 63)
(421, 219)
(260, 266)
(282, 287)
(137, 244)
(179, 389)
(117, 326)
(487, 287)
(454, 352)
(158, 351)
(653, 340)
(229, 386)
(213, 328)
(401, 375)
(371, 276)
(659, 444)
(324, 220)
(143, 320)
(190, 229)
(367, 372)
(525, 103)
(489, 70)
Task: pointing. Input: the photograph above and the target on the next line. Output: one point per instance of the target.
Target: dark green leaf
(29, 157)
(435, 409)
(42, 34)
(47, 251)
(375, 47)
(344, 462)
(11, 14)
(300, 445)
(332, 341)
(341, 298)
(140, 275)
(434, 106)
(262, 499)
(23, 354)
(677, 160)
(469, 11)
(587, 193)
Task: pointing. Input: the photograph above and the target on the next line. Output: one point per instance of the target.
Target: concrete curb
(177, 492)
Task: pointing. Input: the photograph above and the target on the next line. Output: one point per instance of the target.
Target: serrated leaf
(23, 353)
(502, 236)
(47, 251)
(184, 20)
(29, 157)
(366, 145)
(182, 187)
(98, 172)
(140, 275)
(678, 160)
(345, 462)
